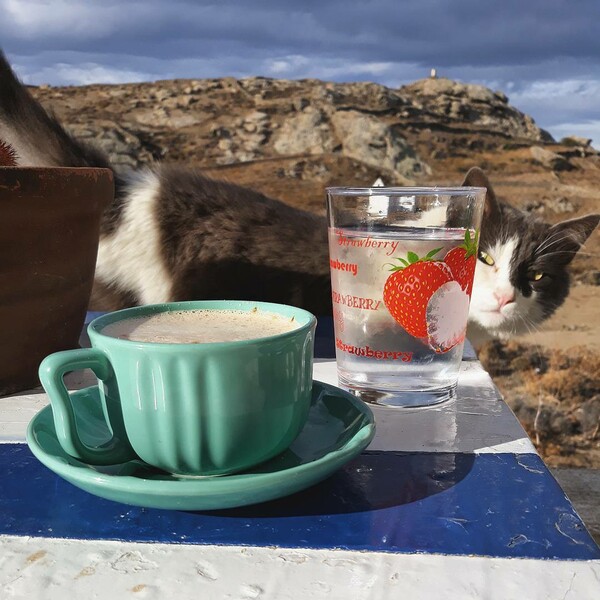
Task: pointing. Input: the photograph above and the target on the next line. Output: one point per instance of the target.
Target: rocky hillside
(290, 139)
(225, 121)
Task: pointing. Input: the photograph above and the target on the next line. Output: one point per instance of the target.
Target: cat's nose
(504, 298)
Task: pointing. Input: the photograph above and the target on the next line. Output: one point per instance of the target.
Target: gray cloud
(545, 54)
(461, 32)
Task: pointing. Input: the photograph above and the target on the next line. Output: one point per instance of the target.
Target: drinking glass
(402, 263)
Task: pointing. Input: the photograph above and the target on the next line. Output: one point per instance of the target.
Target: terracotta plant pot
(49, 229)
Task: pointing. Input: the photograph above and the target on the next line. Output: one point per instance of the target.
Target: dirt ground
(551, 380)
(576, 323)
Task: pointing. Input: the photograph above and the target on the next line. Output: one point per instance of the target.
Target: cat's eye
(536, 276)
(486, 258)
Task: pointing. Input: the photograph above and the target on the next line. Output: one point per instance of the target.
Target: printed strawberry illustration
(462, 261)
(409, 288)
(446, 316)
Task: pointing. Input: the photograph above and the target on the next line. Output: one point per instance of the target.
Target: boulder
(550, 159)
(369, 140)
(589, 415)
(575, 140)
(458, 103)
(306, 132)
(123, 146)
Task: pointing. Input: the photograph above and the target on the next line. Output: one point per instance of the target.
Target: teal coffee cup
(189, 408)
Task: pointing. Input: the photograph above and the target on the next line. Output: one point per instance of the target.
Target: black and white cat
(173, 234)
(521, 276)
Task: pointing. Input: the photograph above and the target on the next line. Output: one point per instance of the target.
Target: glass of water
(402, 263)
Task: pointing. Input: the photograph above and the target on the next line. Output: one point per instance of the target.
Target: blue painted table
(450, 502)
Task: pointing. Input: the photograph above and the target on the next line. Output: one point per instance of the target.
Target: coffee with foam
(201, 326)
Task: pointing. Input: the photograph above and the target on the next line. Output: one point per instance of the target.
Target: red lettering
(355, 301)
(343, 266)
(370, 353)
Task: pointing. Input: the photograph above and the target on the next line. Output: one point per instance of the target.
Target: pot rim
(63, 169)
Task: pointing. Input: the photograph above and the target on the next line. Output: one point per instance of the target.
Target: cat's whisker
(553, 236)
(579, 253)
(546, 242)
(504, 233)
(532, 327)
(551, 241)
(558, 252)
(594, 254)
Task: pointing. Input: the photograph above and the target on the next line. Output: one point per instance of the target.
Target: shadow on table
(373, 481)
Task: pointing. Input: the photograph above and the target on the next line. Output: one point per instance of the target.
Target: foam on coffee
(201, 326)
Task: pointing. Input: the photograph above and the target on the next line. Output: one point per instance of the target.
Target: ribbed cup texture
(213, 410)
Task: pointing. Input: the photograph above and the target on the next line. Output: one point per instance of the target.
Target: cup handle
(52, 370)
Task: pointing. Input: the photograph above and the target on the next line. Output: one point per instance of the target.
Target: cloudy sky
(544, 54)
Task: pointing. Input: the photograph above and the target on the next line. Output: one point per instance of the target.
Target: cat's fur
(173, 234)
(506, 299)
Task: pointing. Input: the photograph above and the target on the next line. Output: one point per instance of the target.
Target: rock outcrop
(227, 121)
(549, 159)
(443, 101)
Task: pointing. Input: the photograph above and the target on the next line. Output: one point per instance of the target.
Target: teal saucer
(339, 427)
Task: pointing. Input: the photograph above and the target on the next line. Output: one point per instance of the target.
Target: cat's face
(515, 286)
(521, 276)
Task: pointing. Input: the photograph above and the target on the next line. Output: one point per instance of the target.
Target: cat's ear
(564, 239)
(477, 178)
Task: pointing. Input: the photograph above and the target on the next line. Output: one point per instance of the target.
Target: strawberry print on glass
(429, 298)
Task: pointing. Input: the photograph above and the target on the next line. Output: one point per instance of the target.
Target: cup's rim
(405, 191)
(95, 327)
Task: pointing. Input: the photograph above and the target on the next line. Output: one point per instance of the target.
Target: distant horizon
(545, 56)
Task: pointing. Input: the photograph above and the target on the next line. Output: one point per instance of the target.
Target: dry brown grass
(556, 396)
